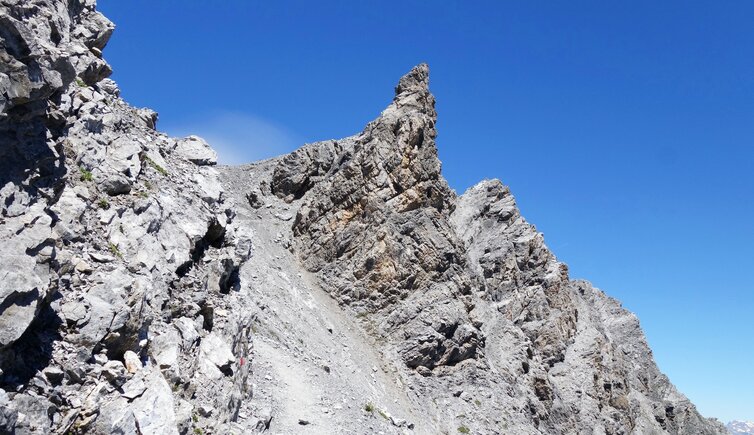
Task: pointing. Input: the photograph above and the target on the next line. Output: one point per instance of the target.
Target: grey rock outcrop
(146, 290)
(461, 294)
(118, 246)
(381, 215)
(468, 309)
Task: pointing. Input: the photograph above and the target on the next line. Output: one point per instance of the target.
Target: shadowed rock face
(145, 290)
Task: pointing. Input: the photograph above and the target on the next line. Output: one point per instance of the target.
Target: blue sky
(624, 130)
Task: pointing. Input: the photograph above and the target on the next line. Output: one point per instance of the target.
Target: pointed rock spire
(399, 141)
(416, 80)
(412, 92)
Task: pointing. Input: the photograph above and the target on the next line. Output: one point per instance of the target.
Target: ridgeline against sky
(625, 131)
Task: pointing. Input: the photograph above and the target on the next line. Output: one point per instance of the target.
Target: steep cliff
(343, 288)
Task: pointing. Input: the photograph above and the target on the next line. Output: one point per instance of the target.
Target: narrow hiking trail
(314, 367)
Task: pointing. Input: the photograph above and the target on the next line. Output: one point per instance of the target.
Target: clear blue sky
(625, 130)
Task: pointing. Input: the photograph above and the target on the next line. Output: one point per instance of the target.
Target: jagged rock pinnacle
(412, 93)
(416, 80)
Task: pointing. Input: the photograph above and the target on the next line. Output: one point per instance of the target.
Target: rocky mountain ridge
(342, 288)
(740, 427)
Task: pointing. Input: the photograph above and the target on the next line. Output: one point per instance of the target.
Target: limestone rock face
(474, 314)
(582, 355)
(113, 240)
(146, 290)
(375, 226)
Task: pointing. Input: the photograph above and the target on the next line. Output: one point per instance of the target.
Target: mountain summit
(342, 288)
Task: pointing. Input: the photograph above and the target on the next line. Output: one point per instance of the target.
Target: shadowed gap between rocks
(214, 237)
(32, 352)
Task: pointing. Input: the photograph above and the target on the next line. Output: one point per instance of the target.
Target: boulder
(195, 150)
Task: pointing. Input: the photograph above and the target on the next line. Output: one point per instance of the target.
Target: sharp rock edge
(343, 288)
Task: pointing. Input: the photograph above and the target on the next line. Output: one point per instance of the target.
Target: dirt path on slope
(312, 361)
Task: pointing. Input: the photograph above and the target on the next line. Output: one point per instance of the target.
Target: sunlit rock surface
(343, 288)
